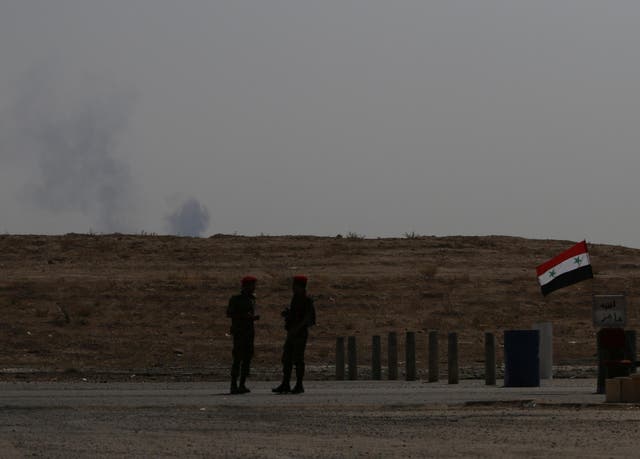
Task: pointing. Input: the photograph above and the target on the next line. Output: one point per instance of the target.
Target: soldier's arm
(305, 322)
(308, 312)
(235, 312)
(230, 308)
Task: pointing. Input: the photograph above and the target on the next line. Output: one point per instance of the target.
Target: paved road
(332, 419)
(329, 393)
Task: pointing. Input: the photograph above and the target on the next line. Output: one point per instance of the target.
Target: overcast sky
(321, 117)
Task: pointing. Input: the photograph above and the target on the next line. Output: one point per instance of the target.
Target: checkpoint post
(616, 354)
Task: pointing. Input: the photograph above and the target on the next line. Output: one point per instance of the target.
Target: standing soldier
(298, 318)
(241, 311)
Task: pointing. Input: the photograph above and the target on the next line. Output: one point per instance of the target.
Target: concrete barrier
(626, 389)
(612, 390)
(545, 352)
(636, 387)
(521, 358)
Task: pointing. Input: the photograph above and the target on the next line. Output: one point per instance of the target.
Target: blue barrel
(522, 358)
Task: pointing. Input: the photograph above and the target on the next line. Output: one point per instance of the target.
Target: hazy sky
(322, 117)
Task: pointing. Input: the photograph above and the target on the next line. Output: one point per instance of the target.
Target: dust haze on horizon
(284, 117)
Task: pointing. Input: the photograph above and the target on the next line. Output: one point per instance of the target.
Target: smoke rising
(189, 219)
(71, 134)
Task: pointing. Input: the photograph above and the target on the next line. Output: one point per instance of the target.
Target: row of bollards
(410, 358)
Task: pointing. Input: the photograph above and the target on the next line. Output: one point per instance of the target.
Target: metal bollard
(353, 358)
(340, 359)
(392, 355)
(376, 372)
(489, 359)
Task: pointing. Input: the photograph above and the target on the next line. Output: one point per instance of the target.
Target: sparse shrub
(64, 312)
(429, 271)
(84, 311)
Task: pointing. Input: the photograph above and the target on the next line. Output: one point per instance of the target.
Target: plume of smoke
(191, 218)
(72, 139)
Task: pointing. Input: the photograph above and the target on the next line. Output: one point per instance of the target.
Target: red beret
(300, 279)
(248, 279)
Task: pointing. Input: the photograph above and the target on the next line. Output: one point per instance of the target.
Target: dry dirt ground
(338, 432)
(103, 305)
(332, 419)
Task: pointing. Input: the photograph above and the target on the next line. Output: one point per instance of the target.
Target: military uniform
(241, 310)
(298, 318)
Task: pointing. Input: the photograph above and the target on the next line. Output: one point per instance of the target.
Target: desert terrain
(147, 306)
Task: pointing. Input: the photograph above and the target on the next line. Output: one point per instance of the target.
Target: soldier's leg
(287, 361)
(298, 359)
(299, 378)
(287, 366)
(246, 363)
(235, 366)
(244, 371)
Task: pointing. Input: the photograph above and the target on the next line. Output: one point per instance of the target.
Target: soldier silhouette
(299, 316)
(241, 311)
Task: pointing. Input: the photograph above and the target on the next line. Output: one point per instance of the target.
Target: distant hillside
(131, 303)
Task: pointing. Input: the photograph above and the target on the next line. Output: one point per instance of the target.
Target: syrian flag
(571, 266)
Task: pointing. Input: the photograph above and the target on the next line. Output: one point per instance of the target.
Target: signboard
(609, 310)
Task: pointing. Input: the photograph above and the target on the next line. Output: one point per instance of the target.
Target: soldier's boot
(234, 387)
(243, 389)
(285, 386)
(299, 388)
(235, 371)
(243, 377)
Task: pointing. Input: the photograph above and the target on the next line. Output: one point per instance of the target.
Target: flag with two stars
(571, 266)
